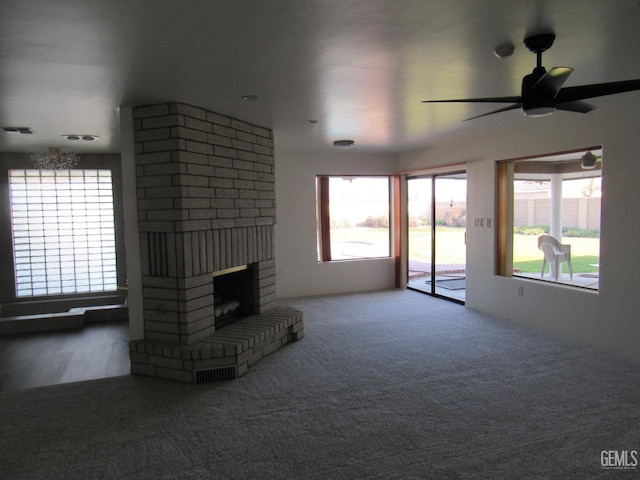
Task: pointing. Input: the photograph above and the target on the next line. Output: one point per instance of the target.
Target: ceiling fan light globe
(539, 111)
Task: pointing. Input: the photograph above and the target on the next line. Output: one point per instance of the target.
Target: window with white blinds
(63, 231)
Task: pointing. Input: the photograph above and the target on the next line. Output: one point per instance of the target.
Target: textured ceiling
(360, 67)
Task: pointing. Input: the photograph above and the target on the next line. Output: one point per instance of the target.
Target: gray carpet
(392, 385)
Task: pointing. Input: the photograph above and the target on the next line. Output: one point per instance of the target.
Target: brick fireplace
(206, 207)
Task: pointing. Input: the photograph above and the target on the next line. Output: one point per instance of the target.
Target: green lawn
(578, 264)
(527, 257)
(451, 247)
(450, 244)
(359, 242)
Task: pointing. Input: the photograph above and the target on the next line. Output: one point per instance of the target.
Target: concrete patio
(419, 278)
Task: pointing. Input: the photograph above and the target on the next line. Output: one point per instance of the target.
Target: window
(353, 217)
(553, 196)
(63, 231)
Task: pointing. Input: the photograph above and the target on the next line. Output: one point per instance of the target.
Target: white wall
(609, 319)
(131, 233)
(298, 272)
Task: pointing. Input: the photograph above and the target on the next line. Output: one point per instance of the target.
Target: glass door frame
(433, 245)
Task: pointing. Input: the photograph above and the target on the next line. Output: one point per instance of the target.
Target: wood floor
(96, 351)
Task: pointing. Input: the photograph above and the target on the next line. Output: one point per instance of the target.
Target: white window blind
(63, 231)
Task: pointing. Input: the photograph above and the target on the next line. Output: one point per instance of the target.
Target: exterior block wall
(576, 212)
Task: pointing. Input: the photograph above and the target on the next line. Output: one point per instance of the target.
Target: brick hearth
(225, 355)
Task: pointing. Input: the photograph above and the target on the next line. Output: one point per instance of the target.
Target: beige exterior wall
(576, 212)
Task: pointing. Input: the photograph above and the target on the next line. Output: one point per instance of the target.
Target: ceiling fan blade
(582, 92)
(551, 82)
(576, 106)
(504, 109)
(478, 100)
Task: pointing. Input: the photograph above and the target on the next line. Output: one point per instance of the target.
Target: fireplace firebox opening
(232, 295)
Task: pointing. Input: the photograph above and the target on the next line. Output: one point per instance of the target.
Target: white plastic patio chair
(554, 254)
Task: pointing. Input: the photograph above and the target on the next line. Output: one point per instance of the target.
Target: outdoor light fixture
(55, 159)
(588, 161)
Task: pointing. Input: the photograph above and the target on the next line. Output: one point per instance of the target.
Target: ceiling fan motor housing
(535, 103)
(539, 43)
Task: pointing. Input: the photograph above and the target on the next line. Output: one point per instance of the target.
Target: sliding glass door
(437, 208)
(450, 251)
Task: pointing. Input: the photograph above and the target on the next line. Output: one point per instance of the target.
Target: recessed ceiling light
(343, 143)
(249, 98)
(22, 130)
(86, 138)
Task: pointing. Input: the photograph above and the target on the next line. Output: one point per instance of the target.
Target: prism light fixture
(55, 159)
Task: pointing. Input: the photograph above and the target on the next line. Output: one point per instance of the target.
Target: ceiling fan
(542, 91)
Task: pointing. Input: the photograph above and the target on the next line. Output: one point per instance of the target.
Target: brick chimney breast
(206, 202)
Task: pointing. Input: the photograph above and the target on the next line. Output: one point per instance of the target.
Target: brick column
(206, 202)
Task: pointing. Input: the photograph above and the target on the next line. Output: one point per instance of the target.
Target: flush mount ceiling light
(86, 138)
(54, 159)
(343, 143)
(504, 51)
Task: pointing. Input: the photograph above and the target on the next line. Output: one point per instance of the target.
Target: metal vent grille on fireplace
(218, 374)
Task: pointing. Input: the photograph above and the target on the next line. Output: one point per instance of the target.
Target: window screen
(63, 231)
